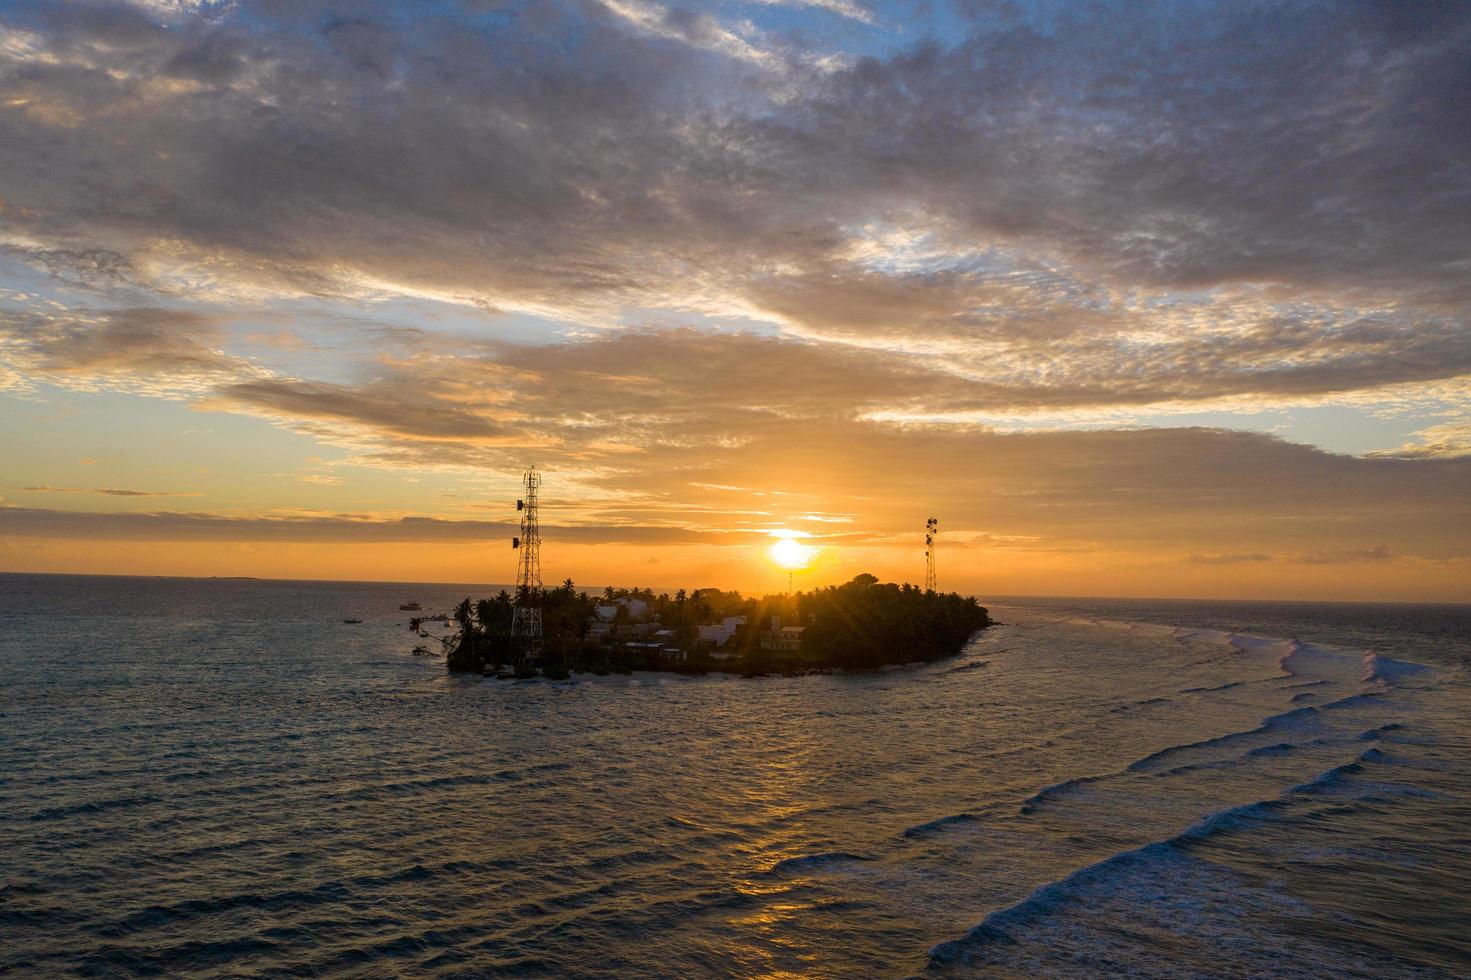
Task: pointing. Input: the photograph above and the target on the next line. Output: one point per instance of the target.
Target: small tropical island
(862, 625)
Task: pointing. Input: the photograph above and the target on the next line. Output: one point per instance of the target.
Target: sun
(791, 554)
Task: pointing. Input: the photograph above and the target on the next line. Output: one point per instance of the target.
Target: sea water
(223, 778)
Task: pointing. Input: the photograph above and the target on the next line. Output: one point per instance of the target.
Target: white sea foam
(1381, 668)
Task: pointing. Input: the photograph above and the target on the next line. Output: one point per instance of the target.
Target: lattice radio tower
(526, 617)
(931, 532)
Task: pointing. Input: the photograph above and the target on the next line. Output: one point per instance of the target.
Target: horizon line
(510, 586)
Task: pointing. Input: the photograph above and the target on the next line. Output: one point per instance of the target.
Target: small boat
(352, 620)
(411, 607)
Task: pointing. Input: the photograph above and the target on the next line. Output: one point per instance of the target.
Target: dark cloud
(97, 267)
(407, 407)
(177, 526)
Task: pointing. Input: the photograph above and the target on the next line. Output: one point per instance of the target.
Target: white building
(719, 634)
(637, 609)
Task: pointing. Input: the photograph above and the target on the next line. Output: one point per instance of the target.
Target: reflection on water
(222, 776)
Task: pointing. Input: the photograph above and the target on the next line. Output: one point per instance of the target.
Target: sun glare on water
(791, 554)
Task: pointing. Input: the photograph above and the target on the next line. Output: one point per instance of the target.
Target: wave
(155, 916)
(1049, 793)
(1218, 687)
(1352, 700)
(1293, 657)
(807, 862)
(1049, 898)
(1132, 705)
(329, 892)
(973, 665)
(1378, 733)
(1387, 669)
(1287, 719)
(1261, 752)
(939, 824)
(1247, 642)
(94, 806)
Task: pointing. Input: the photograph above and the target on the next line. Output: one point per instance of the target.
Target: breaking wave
(1002, 925)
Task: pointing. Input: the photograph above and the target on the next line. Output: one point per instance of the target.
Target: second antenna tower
(931, 532)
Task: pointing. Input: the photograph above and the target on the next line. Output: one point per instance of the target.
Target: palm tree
(463, 615)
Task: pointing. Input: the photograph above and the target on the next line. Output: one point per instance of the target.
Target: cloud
(1341, 556)
(1447, 441)
(113, 492)
(151, 348)
(1228, 559)
(410, 406)
(1135, 206)
(1344, 556)
(843, 8)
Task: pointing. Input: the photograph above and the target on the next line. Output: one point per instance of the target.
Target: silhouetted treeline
(866, 624)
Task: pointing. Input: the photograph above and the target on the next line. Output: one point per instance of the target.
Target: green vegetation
(862, 625)
(865, 624)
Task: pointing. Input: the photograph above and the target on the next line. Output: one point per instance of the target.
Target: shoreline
(665, 676)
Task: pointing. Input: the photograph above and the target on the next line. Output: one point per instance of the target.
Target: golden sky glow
(284, 297)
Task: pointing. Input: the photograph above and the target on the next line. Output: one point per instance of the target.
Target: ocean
(222, 778)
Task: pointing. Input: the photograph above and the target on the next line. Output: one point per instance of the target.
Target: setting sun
(791, 554)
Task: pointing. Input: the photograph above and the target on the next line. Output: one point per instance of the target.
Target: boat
(352, 620)
(411, 607)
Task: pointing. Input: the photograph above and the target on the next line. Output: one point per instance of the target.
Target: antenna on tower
(931, 532)
(526, 617)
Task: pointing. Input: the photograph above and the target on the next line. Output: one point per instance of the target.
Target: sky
(1160, 299)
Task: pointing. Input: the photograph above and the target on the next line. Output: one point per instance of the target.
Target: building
(637, 609)
(718, 635)
(781, 637)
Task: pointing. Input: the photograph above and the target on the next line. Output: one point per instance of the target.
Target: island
(861, 625)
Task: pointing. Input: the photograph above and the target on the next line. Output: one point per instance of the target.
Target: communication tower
(931, 532)
(526, 617)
